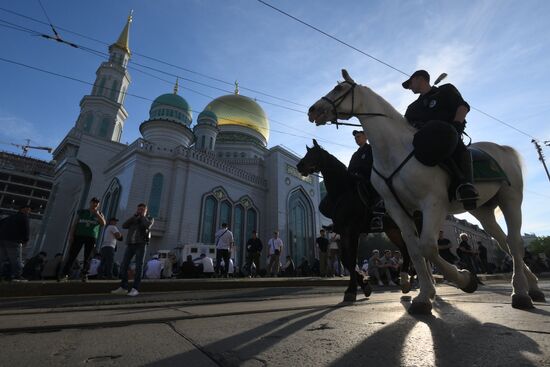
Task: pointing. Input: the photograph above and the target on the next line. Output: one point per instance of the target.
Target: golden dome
(237, 110)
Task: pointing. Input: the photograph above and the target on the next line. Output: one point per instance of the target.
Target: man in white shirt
(274, 248)
(224, 243)
(207, 266)
(153, 268)
(108, 247)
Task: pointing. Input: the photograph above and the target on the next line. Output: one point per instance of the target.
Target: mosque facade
(193, 175)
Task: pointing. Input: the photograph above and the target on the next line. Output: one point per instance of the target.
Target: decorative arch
(101, 87)
(114, 91)
(111, 198)
(155, 195)
(301, 228)
(88, 122)
(208, 219)
(104, 127)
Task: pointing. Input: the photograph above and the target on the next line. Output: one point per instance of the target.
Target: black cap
(95, 199)
(422, 73)
(355, 132)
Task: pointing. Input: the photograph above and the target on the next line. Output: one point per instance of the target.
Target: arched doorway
(300, 227)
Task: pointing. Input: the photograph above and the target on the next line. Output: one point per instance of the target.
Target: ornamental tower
(102, 113)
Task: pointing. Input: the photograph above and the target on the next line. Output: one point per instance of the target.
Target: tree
(540, 245)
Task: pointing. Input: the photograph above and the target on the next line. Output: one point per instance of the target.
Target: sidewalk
(51, 287)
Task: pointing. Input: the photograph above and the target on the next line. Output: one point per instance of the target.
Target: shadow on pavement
(246, 346)
(454, 338)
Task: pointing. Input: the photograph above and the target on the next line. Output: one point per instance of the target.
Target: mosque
(193, 175)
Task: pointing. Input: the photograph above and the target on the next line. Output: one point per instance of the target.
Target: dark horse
(349, 215)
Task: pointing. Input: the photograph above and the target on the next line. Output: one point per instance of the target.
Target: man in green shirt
(84, 232)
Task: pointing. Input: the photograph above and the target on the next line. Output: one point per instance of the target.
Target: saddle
(485, 169)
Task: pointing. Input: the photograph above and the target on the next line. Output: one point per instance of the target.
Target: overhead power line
(149, 99)
(377, 59)
(156, 59)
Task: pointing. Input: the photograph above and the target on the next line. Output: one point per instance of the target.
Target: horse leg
(421, 304)
(394, 234)
(349, 243)
(521, 280)
(432, 221)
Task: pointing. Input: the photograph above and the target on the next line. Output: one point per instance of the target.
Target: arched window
(238, 235)
(122, 95)
(104, 127)
(300, 226)
(211, 143)
(203, 145)
(225, 212)
(251, 221)
(111, 198)
(88, 123)
(114, 91)
(208, 223)
(101, 87)
(155, 196)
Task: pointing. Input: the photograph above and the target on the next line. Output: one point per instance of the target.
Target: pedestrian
(254, 248)
(333, 255)
(275, 248)
(224, 243)
(137, 239)
(14, 233)
(109, 247)
(444, 103)
(467, 255)
(95, 265)
(360, 167)
(35, 266)
(207, 266)
(188, 268)
(153, 268)
(52, 267)
(84, 232)
(322, 244)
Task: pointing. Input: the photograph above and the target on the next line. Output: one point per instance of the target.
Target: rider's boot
(466, 191)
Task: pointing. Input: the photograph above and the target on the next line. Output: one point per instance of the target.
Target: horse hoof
(406, 288)
(420, 308)
(471, 287)
(537, 296)
(350, 297)
(522, 302)
(367, 290)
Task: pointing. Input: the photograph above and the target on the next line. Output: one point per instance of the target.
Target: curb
(53, 288)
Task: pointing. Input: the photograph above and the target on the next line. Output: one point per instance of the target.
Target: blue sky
(495, 52)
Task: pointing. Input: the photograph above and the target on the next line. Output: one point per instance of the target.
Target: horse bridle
(388, 180)
(338, 101)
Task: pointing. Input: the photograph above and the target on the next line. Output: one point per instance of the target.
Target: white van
(196, 249)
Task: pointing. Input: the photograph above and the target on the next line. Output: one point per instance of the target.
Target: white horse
(417, 187)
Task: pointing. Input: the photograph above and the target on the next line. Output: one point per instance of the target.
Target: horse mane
(336, 162)
(389, 110)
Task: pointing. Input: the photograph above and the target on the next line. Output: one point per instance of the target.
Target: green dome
(173, 100)
(207, 114)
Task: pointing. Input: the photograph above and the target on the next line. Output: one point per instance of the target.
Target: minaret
(102, 113)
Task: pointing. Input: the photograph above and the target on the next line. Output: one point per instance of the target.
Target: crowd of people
(98, 263)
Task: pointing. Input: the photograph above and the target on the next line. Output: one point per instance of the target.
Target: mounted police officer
(360, 167)
(444, 104)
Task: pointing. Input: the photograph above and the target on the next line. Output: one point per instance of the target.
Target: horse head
(334, 104)
(312, 161)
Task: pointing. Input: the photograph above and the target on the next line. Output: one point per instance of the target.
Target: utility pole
(541, 156)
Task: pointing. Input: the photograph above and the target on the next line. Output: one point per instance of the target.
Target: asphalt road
(305, 326)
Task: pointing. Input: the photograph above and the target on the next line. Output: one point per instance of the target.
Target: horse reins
(388, 180)
(340, 99)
